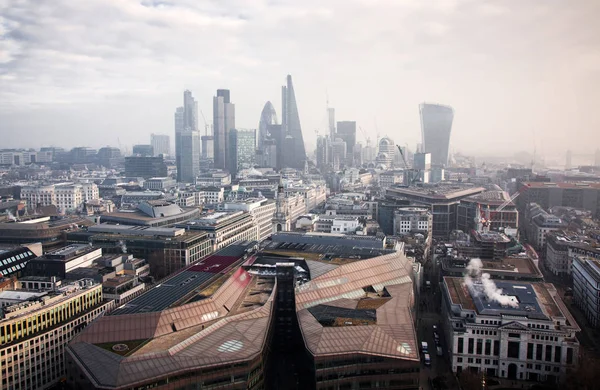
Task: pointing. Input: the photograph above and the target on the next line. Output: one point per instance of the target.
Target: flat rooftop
(570, 185)
(185, 283)
(437, 192)
(136, 230)
(534, 300)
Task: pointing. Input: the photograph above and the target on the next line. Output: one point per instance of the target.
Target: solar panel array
(165, 294)
(175, 288)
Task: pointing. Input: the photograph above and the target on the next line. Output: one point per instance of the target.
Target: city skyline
(501, 80)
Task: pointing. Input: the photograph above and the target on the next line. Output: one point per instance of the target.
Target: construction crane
(416, 172)
(486, 219)
(368, 139)
(206, 126)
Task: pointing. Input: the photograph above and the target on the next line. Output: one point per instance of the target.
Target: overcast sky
(96, 72)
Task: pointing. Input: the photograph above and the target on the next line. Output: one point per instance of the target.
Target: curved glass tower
(295, 154)
(268, 117)
(436, 125)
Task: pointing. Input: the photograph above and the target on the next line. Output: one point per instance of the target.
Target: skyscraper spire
(291, 127)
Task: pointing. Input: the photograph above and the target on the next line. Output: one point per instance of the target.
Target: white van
(424, 347)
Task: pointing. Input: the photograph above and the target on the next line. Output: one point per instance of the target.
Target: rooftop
(570, 185)
(187, 282)
(437, 191)
(534, 300)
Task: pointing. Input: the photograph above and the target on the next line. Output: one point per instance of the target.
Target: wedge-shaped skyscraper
(295, 154)
(436, 125)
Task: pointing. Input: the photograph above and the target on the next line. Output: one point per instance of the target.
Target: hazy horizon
(96, 73)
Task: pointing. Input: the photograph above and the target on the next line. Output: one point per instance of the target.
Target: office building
(34, 332)
(145, 167)
(443, 200)
(208, 147)
(50, 232)
(189, 166)
(224, 228)
(161, 143)
(165, 249)
(242, 150)
(60, 261)
(67, 197)
(436, 126)
(539, 223)
(481, 210)
(586, 288)
(159, 183)
(580, 195)
(216, 178)
(262, 210)
(150, 212)
(523, 333)
(223, 122)
(413, 220)
(239, 317)
(109, 157)
(13, 261)
(187, 140)
(268, 117)
(143, 150)
(346, 130)
(295, 151)
(323, 151)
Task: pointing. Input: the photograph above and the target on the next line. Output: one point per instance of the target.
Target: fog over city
(99, 72)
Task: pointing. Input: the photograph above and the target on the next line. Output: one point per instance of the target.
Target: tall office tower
(322, 151)
(597, 158)
(346, 130)
(187, 139)
(291, 127)
(268, 117)
(358, 155)
(569, 160)
(242, 148)
(190, 157)
(436, 125)
(161, 144)
(223, 122)
(190, 111)
(208, 150)
(331, 118)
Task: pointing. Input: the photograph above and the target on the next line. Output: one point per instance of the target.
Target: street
(428, 314)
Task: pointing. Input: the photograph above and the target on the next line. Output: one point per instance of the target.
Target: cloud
(376, 58)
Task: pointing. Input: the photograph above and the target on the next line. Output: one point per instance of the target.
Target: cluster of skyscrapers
(230, 148)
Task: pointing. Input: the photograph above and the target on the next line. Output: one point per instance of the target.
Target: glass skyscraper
(436, 125)
(296, 156)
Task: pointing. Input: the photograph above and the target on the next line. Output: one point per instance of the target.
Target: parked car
(427, 359)
(439, 351)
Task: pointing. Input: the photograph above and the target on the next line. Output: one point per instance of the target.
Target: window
(460, 345)
(496, 347)
(479, 346)
(538, 351)
(557, 354)
(470, 348)
(513, 349)
(548, 353)
(488, 347)
(529, 351)
(569, 355)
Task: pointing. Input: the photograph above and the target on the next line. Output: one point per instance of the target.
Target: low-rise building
(34, 333)
(165, 249)
(61, 261)
(413, 219)
(159, 183)
(586, 288)
(262, 210)
(337, 224)
(213, 179)
(224, 228)
(523, 333)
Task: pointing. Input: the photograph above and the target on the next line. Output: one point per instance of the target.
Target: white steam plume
(486, 285)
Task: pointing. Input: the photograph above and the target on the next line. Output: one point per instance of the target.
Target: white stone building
(530, 335)
(412, 220)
